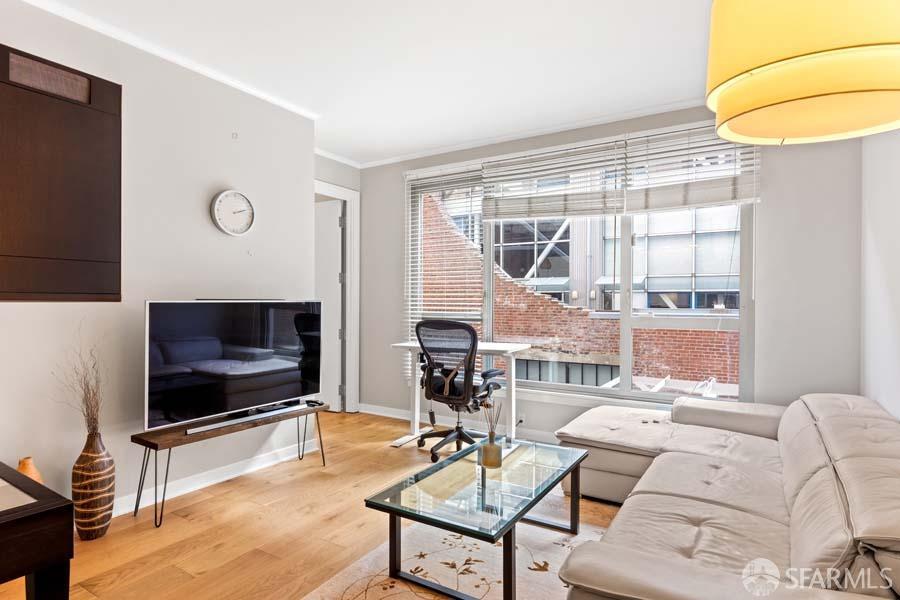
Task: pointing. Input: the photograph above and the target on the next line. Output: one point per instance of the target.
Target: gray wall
(807, 271)
(881, 270)
(178, 150)
(338, 173)
(807, 232)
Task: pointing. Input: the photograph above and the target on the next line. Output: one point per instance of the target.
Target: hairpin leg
(146, 461)
(301, 446)
(158, 518)
(321, 441)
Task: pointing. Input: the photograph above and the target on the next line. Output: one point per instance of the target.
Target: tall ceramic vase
(93, 488)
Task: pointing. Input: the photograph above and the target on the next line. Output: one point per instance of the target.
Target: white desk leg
(415, 395)
(415, 404)
(511, 395)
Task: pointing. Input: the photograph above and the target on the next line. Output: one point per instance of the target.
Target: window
(535, 252)
(682, 259)
(531, 250)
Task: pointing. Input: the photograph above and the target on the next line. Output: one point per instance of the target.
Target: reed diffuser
(492, 453)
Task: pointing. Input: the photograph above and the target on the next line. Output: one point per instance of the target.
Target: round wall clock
(232, 212)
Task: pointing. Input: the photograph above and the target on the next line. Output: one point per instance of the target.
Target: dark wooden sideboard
(60, 182)
(36, 540)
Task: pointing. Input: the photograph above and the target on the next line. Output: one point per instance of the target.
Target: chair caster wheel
(421, 443)
(434, 458)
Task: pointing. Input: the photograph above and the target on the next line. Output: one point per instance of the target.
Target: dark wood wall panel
(19, 275)
(60, 187)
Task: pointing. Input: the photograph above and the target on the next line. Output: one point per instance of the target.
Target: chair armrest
(743, 417)
(492, 373)
(613, 571)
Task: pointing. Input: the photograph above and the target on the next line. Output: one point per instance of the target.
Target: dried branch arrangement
(84, 380)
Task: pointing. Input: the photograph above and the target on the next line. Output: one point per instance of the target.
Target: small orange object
(27, 468)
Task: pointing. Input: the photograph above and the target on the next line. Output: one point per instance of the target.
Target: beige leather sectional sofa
(727, 501)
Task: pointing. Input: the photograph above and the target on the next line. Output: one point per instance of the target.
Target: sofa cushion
(248, 353)
(820, 529)
(803, 455)
(848, 437)
(796, 417)
(740, 486)
(872, 486)
(633, 430)
(729, 445)
(161, 371)
(612, 461)
(823, 406)
(603, 485)
(744, 417)
(866, 576)
(890, 560)
(602, 571)
(182, 350)
(802, 452)
(154, 355)
(230, 369)
(703, 533)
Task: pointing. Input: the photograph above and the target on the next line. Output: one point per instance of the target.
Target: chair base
(458, 434)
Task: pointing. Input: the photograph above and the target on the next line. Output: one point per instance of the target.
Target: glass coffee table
(460, 496)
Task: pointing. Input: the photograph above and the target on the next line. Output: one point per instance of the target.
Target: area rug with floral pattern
(460, 563)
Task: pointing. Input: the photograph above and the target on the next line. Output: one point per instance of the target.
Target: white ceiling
(389, 79)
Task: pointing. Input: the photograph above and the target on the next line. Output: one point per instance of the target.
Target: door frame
(351, 286)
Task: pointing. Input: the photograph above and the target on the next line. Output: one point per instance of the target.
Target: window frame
(741, 320)
(535, 244)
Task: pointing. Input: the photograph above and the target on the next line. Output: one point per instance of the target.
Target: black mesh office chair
(448, 354)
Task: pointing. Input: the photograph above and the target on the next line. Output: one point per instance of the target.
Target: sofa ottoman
(622, 442)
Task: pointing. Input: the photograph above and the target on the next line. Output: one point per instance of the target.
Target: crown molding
(601, 120)
(116, 33)
(338, 158)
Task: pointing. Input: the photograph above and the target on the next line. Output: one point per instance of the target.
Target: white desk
(508, 351)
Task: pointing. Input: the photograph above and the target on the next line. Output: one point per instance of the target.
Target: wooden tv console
(178, 435)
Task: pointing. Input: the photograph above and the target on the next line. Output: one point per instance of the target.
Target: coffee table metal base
(509, 547)
(509, 565)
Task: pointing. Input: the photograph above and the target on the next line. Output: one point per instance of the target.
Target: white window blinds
(689, 167)
(444, 268)
(585, 181)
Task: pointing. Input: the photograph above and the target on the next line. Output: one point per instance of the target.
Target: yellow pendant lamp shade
(801, 71)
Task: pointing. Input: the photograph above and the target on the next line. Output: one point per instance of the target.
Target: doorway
(336, 284)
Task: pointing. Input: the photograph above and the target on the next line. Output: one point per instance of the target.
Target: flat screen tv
(211, 358)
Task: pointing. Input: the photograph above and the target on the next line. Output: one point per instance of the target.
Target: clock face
(232, 212)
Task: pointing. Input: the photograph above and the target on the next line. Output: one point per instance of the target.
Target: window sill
(588, 397)
(662, 314)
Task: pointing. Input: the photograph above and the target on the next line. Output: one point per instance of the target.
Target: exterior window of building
(535, 253)
(686, 260)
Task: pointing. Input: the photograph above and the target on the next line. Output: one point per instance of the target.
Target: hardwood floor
(277, 533)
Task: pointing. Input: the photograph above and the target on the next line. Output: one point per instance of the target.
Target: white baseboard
(536, 435)
(384, 411)
(185, 485)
